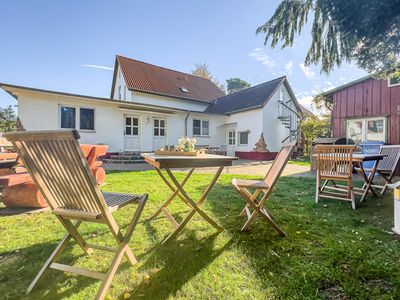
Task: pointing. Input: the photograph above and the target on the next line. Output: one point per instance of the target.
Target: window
(86, 119)
(68, 117)
(393, 81)
(119, 93)
(231, 138)
(243, 138)
(362, 130)
(201, 127)
(124, 92)
(75, 117)
(159, 127)
(131, 126)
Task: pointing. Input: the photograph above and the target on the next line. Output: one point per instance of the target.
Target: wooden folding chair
(387, 166)
(335, 163)
(61, 172)
(265, 186)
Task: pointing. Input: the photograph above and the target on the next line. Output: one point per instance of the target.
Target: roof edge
(31, 89)
(340, 87)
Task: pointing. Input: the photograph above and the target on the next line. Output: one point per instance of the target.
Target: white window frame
(159, 127)
(239, 141)
(231, 138)
(77, 117)
(364, 132)
(201, 127)
(132, 126)
(392, 84)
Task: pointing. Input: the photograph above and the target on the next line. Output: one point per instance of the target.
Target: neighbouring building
(367, 109)
(151, 106)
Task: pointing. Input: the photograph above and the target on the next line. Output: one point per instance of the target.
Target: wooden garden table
(358, 159)
(167, 163)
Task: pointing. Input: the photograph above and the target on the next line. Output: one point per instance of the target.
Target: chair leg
(101, 294)
(317, 190)
(353, 200)
(53, 257)
(273, 224)
(249, 220)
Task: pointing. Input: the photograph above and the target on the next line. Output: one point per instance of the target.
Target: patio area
(331, 251)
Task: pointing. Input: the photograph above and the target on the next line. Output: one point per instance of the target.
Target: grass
(331, 252)
(301, 161)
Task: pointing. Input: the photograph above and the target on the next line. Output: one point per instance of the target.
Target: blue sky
(57, 44)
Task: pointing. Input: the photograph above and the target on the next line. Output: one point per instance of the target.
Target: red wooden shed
(367, 109)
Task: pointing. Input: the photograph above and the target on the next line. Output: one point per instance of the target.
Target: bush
(313, 127)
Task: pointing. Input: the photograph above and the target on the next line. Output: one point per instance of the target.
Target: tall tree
(8, 119)
(366, 31)
(202, 70)
(236, 84)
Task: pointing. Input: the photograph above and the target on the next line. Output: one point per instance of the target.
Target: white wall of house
(274, 130)
(216, 137)
(150, 99)
(250, 120)
(41, 111)
(126, 94)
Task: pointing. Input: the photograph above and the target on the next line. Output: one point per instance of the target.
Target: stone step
(123, 161)
(124, 157)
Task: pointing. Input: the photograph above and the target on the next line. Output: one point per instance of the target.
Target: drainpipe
(186, 123)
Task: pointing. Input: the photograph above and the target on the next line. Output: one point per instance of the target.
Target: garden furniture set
(337, 163)
(63, 175)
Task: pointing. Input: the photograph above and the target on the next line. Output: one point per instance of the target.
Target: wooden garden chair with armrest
(61, 172)
(335, 163)
(387, 166)
(264, 186)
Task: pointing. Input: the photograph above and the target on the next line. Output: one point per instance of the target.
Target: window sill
(202, 136)
(87, 131)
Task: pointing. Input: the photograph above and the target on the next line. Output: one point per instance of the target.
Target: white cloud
(306, 101)
(98, 67)
(259, 55)
(289, 67)
(307, 71)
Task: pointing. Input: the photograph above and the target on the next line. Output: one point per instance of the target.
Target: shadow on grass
(176, 263)
(22, 266)
(330, 249)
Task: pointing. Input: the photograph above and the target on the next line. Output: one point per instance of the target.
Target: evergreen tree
(8, 119)
(366, 31)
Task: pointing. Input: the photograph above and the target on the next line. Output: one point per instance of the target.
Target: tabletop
(360, 157)
(174, 161)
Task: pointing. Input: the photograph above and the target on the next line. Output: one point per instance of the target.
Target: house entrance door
(131, 133)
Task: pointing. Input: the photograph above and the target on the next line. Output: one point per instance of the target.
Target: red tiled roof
(148, 78)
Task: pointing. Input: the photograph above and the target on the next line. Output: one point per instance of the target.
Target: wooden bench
(19, 189)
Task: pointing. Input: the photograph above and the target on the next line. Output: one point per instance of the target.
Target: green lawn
(302, 161)
(332, 252)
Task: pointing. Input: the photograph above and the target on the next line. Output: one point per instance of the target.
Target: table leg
(195, 206)
(174, 194)
(368, 180)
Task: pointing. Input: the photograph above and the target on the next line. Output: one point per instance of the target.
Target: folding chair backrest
(278, 165)
(335, 161)
(59, 169)
(389, 162)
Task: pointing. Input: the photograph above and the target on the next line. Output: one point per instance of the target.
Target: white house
(151, 107)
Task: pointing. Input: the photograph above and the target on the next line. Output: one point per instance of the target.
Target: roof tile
(148, 78)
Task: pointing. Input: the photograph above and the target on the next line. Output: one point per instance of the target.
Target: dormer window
(183, 89)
